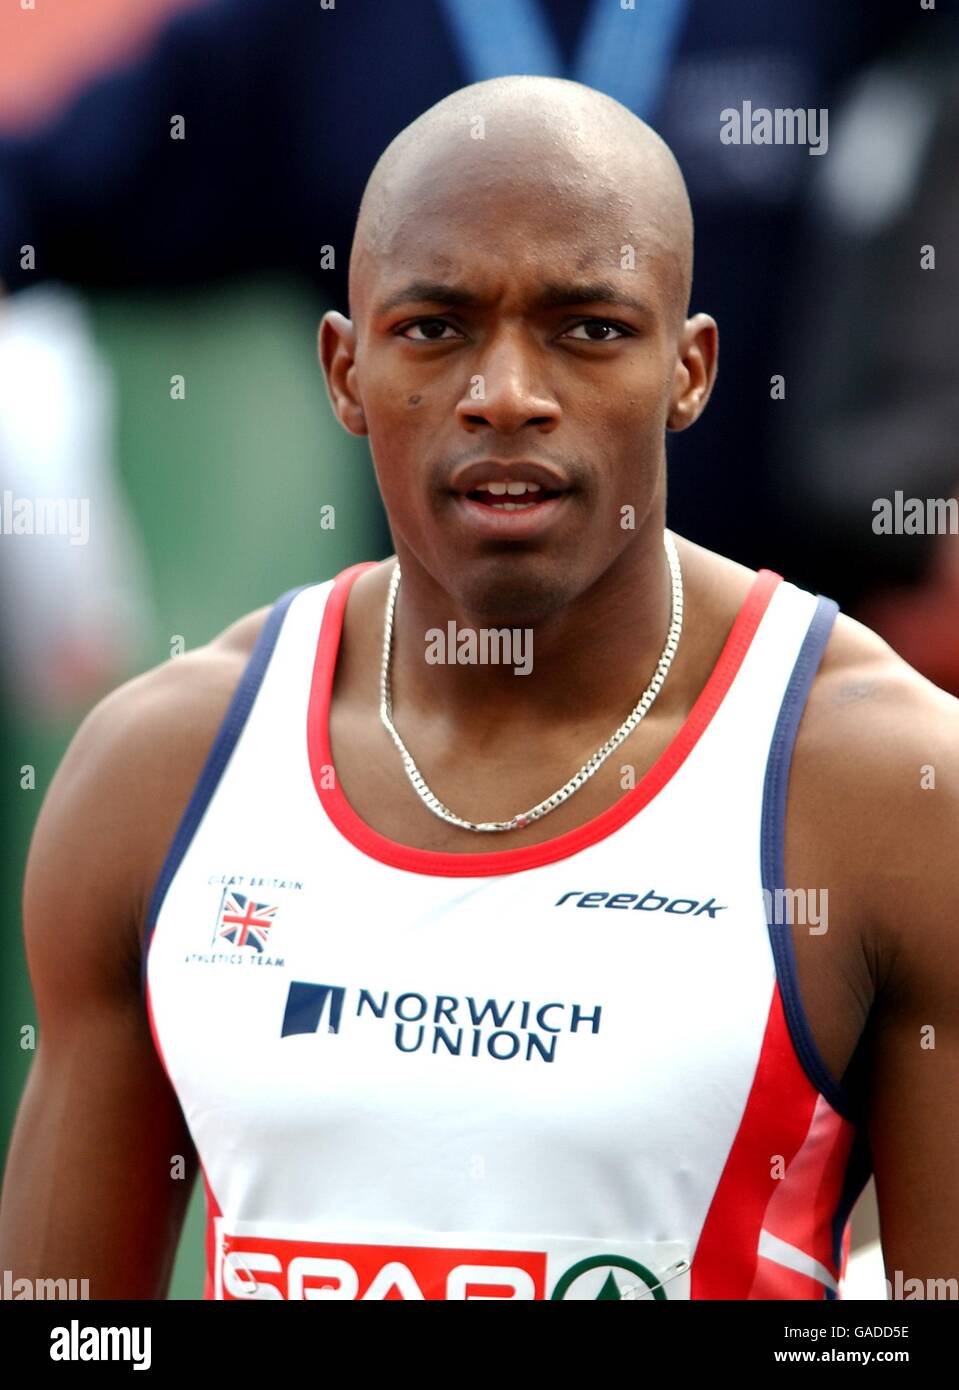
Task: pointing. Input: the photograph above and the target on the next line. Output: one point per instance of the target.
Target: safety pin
(636, 1291)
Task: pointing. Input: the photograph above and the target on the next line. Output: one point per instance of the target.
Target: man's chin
(511, 590)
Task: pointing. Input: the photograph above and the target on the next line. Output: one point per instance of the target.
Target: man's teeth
(516, 489)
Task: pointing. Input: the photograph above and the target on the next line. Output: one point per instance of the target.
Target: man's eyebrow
(433, 290)
(556, 294)
(552, 295)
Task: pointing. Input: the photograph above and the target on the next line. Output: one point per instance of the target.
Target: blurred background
(178, 186)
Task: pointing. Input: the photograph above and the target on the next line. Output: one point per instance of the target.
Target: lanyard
(625, 53)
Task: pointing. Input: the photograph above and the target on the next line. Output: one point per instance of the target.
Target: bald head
(519, 292)
(469, 149)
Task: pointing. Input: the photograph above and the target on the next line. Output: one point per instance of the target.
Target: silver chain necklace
(587, 770)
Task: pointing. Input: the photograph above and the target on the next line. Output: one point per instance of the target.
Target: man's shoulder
(871, 720)
(161, 724)
(197, 683)
(179, 704)
(871, 710)
(876, 766)
(131, 767)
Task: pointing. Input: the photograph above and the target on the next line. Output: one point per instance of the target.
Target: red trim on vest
(784, 1115)
(441, 862)
(212, 1206)
(775, 1281)
(212, 1213)
(805, 1201)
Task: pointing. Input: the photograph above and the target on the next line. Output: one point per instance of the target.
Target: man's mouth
(510, 497)
(500, 501)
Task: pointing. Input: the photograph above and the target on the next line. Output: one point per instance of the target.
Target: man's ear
(336, 348)
(696, 364)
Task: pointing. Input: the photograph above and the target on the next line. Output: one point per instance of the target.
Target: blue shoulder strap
(226, 739)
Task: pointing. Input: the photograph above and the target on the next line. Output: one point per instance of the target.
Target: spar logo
(258, 1268)
(442, 1023)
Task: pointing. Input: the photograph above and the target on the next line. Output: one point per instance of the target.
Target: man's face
(536, 363)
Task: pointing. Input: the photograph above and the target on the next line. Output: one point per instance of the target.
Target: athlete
(554, 909)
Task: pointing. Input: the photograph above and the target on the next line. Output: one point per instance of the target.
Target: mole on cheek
(414, 400)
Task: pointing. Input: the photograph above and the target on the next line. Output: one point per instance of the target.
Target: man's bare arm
(101, 1164)
(914, 1101)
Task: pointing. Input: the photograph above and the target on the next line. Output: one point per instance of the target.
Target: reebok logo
(649, 902)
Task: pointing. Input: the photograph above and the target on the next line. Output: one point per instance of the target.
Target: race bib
(256, 1260)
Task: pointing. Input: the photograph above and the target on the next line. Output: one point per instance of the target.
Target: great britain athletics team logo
(242, 921)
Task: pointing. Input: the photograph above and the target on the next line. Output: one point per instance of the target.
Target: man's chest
(821, 912)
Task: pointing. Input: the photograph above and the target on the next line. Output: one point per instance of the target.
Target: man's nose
(507, 389)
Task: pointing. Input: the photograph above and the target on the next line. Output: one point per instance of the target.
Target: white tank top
(576, 1070)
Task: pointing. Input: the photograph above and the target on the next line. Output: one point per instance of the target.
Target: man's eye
(605, 324)
(425, 324)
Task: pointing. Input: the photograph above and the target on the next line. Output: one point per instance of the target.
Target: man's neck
(587, 662)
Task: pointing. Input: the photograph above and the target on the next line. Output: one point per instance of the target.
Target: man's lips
(487, 506)
(482, 518)
(474, 475)
(511, 501)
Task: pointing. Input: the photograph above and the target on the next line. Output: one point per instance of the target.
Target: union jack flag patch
(242, 921)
